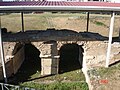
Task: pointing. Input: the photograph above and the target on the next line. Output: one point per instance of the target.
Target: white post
(119, 33)
(105, 0)
(110, 39)
(113, 1)
(2, 55)
(85, 0)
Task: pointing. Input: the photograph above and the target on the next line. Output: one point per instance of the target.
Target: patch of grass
(104, 72)
(99, 23)
(59, 86)
(73, 80)
(76, 75)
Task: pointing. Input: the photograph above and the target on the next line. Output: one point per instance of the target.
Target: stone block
(46, 70)
(54, 70)
(55, 62)
(46, 50)
(49, 65)
(46, 62)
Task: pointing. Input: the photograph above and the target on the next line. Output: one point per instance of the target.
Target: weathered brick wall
(96, 53)
(8, 48)
(48, 52)
(18, 59)
(12, 62)
(9, 69)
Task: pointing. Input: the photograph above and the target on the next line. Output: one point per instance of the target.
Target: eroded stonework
(92, 47)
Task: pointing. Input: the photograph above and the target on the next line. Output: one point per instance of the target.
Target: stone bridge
(91, 49)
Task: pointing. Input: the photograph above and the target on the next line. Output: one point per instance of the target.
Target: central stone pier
(49, 58)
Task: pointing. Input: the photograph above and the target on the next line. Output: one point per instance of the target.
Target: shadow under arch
(71, 57)
(30, 66)
(32, 57)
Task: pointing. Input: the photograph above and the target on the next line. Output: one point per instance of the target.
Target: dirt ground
(77, 22)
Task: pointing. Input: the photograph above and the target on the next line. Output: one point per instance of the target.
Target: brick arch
(49, 56)
(61, 43)
(74, 51)
(49, 50)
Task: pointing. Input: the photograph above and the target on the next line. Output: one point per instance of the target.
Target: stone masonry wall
(49, 55)
(12, 62)
(96, 52)
(49, 61)
(8, 48)
(18, 59)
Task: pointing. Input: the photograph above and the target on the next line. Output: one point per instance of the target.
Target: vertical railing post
(2, 86)
(2, 54)
(119, 33)
(87, 21)
(110, 39)
(22, 19)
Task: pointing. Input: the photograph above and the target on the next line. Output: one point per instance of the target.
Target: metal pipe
(119, 33)
(110, 39)
(87, 21)
(22, 19)
(2, 55)
(58, 8)
(2, 86)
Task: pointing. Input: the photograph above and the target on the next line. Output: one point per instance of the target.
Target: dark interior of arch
(32, 57)
(69, 57)
(31, 64)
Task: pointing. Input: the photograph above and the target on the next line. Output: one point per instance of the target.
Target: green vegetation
(75, 75)
(109, 72)
(73, 80)
(99, 23)
(59, 86)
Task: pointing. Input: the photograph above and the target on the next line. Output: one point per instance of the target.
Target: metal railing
(14, 87)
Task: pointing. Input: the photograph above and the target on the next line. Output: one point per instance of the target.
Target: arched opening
(71, 57)
(31, 64)
(32, 58)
